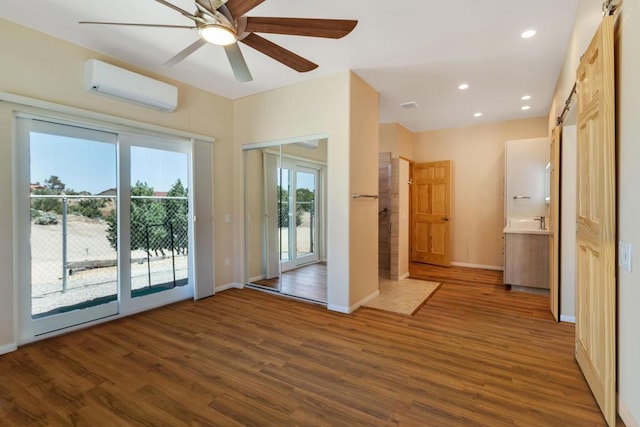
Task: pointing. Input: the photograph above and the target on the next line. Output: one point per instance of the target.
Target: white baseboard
(626, 416)
(256, 278)
(338, 308)
(568, 319)
(484, 267)
(354, 307)
(228, 286)
(8, 348)
(404, 276)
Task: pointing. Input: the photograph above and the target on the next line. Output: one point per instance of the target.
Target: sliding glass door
(76, 216)
(159, 242)
(298, 207)
(68, 267)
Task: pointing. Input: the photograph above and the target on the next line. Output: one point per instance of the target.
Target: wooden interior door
(554, 223)
(596, 221)
(431, 211)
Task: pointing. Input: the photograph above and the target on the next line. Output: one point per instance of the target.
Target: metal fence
(304, 223)
(160, 233)
(74, 245)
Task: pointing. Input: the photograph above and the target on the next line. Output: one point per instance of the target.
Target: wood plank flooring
(473, 355)
(309, 281)
(437, 273)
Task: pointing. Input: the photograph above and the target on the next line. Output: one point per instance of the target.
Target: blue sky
(91, 166)
(304, 180)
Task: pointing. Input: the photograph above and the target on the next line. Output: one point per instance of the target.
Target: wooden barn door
(596, 220)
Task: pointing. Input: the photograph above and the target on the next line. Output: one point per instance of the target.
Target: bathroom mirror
(285, 218)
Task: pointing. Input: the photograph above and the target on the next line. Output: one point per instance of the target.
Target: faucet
(542, 222)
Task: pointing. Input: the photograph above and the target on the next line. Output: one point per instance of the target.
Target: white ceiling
(408, 50)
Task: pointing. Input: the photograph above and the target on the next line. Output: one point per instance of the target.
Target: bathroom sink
(524, 224)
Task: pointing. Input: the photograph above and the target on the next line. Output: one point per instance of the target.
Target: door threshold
(280, 294)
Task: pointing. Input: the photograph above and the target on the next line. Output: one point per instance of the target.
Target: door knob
(446, 218)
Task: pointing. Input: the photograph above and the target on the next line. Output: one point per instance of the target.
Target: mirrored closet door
(285, 219)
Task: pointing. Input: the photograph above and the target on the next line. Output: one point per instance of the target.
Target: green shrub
(46, 218)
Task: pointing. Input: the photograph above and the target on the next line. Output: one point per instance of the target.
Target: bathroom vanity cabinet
(527, 260)
(526, 238)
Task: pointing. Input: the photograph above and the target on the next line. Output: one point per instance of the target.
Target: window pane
(159, 220)
(305, 212)
(284, 212)
(73, 205)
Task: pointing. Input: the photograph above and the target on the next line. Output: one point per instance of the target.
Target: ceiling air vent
(409, 105)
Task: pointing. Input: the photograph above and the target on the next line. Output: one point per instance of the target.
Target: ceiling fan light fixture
(218, 34)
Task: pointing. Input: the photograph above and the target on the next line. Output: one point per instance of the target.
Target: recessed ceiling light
(478, 114)
(526, 97)
(526, 107)
(528, 34)
(463, 86)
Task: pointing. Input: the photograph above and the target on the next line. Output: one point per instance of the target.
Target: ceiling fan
(223, 23)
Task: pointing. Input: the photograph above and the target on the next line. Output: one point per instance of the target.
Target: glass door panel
(305, 196)
(298, 212)
(70, 198)
(159, 220)
(285, 214)
(264, 220)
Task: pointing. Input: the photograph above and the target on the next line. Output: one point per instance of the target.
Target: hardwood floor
(454, 274)
(473, 355)
(309, 282)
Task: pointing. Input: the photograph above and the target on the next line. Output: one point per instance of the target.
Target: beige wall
(388, 136)
(405, 139)
(396, 139)
(46, 68)
(477, 202)
(318, 154)
(321, 106)
(628, 133)
(628, 129)
(343, 108)
(588, 18)
(363, 177)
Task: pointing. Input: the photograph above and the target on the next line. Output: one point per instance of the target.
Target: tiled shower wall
(384, 216)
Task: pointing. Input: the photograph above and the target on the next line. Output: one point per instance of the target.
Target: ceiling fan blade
(206, 4)
(238, 64)
(137, 25)
(211, 5)
(328, 28)
(279, 53)
(185, 52)
(240, 7)
(180, 10)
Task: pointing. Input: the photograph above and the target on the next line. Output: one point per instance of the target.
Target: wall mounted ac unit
(107, 79)
(311, 143)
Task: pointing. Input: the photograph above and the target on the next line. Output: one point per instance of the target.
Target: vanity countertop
(509, 230)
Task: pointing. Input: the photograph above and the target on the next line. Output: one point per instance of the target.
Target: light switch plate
(624, 255)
